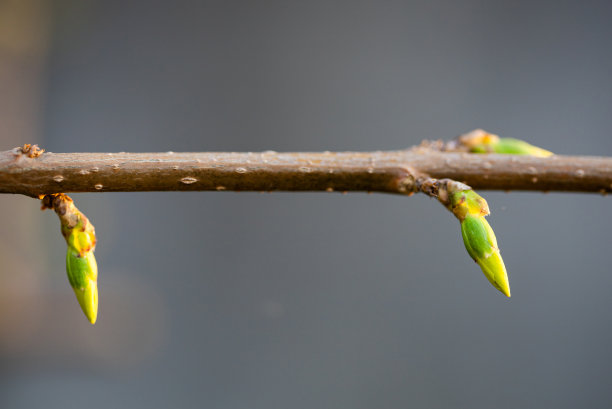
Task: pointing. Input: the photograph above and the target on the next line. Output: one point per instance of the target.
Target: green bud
(478, 237)
(481, 245)
(81, 265)
(511, 146)
(480, 141)
(83, 277)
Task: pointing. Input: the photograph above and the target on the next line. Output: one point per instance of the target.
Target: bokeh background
(305, 300)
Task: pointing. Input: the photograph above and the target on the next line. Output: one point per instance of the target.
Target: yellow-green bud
(83, 277)
(81, 265)
(511, 146)
(479, 141)
(480, 242)
(481, 245)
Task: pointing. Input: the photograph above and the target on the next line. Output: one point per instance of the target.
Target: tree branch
(390, 172)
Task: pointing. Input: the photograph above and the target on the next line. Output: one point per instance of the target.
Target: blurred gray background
(306, 300)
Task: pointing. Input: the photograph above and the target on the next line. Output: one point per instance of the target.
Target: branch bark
(389, 172)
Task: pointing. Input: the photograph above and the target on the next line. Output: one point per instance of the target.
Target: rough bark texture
(390, 172)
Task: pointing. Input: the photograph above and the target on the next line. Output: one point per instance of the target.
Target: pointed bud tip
(91, 314)
(542, 153)
(88, 300)
(503, 286)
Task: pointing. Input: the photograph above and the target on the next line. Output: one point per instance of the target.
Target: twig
(390, 172)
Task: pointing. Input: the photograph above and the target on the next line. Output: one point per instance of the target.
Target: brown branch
(390, 172)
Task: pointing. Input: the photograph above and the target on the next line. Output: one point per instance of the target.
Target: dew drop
(84, 172)
(115, 166)
(188, 180)
(305, 169)
(170, 153)
(534, 180)
(175, 167)
(95, 169)
(331, 171)
(220, 188)
(58, 178)
(241, 170)
(580, 173)
(329, 189)
(99, 186)
(370, 170)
